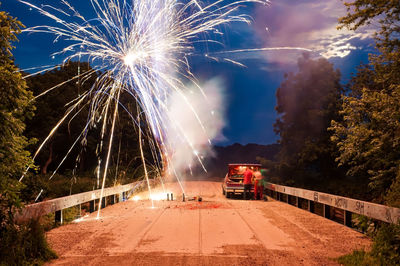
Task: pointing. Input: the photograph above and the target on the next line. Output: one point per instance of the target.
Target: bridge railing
(330, 202)
(115, 194)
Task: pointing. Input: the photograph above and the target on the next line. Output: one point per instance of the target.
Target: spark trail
(143, 49)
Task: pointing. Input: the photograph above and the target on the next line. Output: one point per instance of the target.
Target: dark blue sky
(251, 90)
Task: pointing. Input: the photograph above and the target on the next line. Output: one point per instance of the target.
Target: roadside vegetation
(21, 244)
(368, 136)
(25, 122)
(345, 140)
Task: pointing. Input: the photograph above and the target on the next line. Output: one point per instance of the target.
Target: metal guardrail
(348, 205)
(37, 210)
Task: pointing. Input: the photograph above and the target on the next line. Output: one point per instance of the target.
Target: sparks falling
(141, 47)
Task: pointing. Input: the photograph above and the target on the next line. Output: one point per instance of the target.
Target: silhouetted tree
(306, 103)
(52, 106)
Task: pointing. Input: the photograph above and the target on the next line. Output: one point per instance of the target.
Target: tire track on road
(256, 237)
(148, 230)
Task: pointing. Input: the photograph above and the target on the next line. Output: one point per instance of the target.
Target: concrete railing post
(297, 201)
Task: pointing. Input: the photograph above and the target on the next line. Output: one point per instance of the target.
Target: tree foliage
(20, 244)
(50, 109)
(368, 133)
(368, 138)
(306, 102)
(15, 107)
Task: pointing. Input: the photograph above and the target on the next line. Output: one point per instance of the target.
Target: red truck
(233, 182)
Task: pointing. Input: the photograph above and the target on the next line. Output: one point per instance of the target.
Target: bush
(385, 249)
(24, 245)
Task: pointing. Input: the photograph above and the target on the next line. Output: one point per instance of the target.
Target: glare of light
(159, 196)
(80, 219)
(136, 198)
(132, 57)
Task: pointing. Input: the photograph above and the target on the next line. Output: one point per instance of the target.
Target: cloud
(308, 24)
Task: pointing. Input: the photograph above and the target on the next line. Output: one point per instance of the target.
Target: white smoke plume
(210, 109)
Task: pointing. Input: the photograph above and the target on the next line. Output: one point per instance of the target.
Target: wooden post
(297, 201)
(92, 206)
(112, 199)
(103, 202)
(311, 206)
(327, 211)
(287, 199)
(348, 218)
(58, 217)
(121, 197)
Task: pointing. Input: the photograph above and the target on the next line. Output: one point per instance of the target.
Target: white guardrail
(348, 205)
(36, 210)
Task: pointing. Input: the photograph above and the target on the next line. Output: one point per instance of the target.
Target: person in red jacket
(247, 180)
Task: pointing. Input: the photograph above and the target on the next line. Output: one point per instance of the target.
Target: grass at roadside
(385, 249)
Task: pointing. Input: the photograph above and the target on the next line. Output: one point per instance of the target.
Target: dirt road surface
(216, 231)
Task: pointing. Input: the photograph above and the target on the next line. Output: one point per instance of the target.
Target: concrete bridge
(215, 231)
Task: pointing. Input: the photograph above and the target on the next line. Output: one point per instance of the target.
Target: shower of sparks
(141, 48)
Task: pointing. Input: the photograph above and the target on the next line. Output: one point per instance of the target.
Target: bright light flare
(136, 198)
(133, 58)
(80, 219)
(158, 196)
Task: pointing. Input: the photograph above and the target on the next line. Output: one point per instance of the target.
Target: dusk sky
(250, 94)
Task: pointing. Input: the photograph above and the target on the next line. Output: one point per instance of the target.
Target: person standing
(258, 185)
(248, 175)
(263, 182)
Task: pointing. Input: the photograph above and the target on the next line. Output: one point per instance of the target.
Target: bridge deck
(216, 231)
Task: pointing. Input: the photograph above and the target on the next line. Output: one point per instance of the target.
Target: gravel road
(216, 231)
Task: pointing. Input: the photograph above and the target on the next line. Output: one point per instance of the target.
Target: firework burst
(143, 48)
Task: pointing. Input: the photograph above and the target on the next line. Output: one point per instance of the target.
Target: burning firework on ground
(143, 48)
